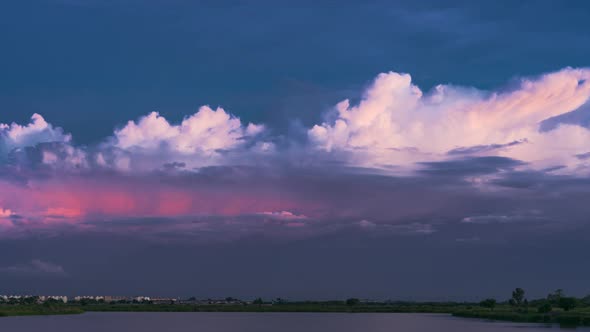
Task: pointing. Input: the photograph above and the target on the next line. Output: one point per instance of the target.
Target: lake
(259, 322)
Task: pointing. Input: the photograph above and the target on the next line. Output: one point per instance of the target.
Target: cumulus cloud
(37, 131)
(485, 146)
(199, 139)
(207, 137)
(396, 126)
(59, 156)
(396, 123)
(39, 143)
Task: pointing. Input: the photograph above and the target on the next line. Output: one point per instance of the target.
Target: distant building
(226, 301)
(163, 300)
(141, 299)
(44, 298)
(116, 298)
(89, 298)
(14, 297)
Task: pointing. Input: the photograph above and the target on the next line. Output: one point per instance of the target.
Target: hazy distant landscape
(556, 308)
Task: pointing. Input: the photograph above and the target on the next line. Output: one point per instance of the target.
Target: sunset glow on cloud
(201, 167)
(79, 199)
(397, 124)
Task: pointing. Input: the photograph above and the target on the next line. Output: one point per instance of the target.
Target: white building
(90, 298)
(44, 298)
(141, 298)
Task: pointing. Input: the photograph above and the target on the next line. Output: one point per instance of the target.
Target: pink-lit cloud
(395, 124)
(81, 198)
(199, 140)
(398, 124)
(5, 215)
(37, 131)
(212, 165)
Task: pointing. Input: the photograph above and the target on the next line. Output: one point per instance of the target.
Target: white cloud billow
(37, 131)
(206, 131)
(396, 123)
(201, 139)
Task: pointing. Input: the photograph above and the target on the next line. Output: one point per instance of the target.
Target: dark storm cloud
(315, 202)
(470, 166)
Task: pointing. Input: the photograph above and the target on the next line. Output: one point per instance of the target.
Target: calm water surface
(259, 322)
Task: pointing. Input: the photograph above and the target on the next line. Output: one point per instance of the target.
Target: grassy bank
(327, 307)
(32, 310)
(579, 317)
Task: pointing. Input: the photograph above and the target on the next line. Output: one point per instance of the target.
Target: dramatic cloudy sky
(380, 149)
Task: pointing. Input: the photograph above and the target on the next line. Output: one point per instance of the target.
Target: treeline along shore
(556, 308)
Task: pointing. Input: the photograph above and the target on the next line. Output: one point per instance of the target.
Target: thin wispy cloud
(34, 268)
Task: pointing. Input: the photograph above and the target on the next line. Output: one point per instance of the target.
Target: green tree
(555, 296)
(352, 302)
(30, 300)
(567, 303)
(488, 303)
(544, 308)
(258, 301)
(517, 297)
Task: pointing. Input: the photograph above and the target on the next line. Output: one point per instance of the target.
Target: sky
(405, 150)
